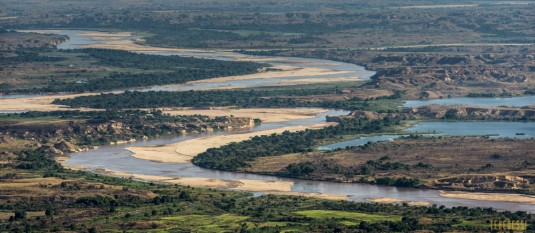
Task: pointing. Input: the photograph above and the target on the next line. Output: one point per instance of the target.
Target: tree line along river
(115, 157)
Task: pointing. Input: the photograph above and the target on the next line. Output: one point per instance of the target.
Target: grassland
(350, 218)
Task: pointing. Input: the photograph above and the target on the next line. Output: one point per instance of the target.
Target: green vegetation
(315, 170)
(416, 161)
(15, 41)
(240, 98)
(28, 56)
(237, 7)
(91, 128)
(129, 70)
(254, 35)
(489, 95)
(405, 42)
(434, 74)
(95, 203)
(299, 24)
(125, 59)
(350, 216)
(237, 155)
(208, 223)
(181, 37)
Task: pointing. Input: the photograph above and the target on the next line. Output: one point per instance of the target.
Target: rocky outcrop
(60, 138)
(50, 150)
(17, 40)
(467, 112)
(441, 74)
(66, 147)
(448, 112)
(487, 182)
(237, 122)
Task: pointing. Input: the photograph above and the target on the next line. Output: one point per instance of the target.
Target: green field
(350, 218)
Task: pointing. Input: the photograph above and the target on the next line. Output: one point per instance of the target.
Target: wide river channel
(115, 157)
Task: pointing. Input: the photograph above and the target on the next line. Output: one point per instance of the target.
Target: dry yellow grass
(18, 183)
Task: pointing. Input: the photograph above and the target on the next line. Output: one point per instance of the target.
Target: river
(454, 128)
(115, 157)
(518, 101)
(339, 70)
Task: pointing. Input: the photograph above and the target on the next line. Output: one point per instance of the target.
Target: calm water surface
(78, 39)
(519, 101)
(434, 128)
(349, 70)
(115, 157)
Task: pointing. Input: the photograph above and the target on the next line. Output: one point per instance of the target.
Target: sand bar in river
(37, 103)
(267, 187)
(242, 185)
(509, 197)
(183, 152)
(267, 115)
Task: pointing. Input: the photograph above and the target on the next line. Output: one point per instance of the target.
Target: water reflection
(468, 101)
(498, 129)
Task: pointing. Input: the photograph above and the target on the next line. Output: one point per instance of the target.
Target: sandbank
(508, 197)
(335, 197)
(38, 103)
(384, 200)
(183, 152)
(387, 200)
(267, 115)
(241, 185)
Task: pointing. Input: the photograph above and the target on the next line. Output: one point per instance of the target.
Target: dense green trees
(28, 56)
(400, 182)
(319, 169)
(191, 38)
(169, 70)
(138, 70)
(237, 155)
(119, 208)
(126, 208)
(126, 59)
(240, 98)
(185, 99)
(125, 116)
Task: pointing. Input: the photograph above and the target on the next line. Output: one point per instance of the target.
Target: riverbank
(285, 71)
(189, 151)
(299, 74)
(266, 187)
(267, 115)
(489, 164)
(384, 200)
(38, 103)
(242, 185)
(124, 41)
(508, 197)
(183, 152)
